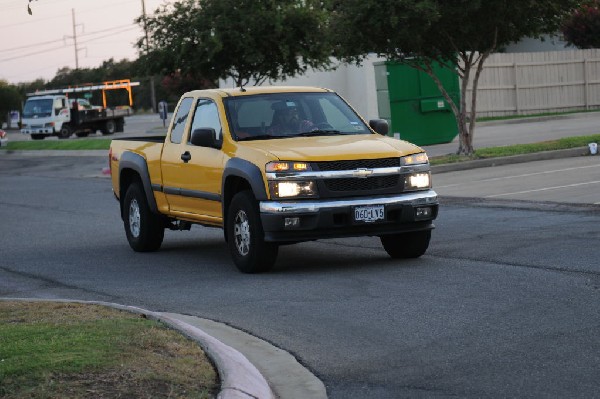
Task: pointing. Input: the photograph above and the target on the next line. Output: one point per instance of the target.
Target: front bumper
(41, 130)
(335, 218)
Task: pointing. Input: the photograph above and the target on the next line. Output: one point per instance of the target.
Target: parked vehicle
(273, 166)
(53, 113)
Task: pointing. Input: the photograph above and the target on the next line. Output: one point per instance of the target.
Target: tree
(242, 39)
(424, 32)
(582, 27)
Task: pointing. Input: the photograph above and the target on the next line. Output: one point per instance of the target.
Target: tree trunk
(465, 138)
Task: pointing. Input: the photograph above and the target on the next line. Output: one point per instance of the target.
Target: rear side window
(179, 120)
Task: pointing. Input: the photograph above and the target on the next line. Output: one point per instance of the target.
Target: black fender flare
(137, 163)
(246, 171)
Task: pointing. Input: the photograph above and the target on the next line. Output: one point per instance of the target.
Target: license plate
(369, 214)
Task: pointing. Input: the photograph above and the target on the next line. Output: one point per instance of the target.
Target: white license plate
(371, 213)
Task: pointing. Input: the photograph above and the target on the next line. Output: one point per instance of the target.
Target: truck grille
(353, 184)
(359, 163)
(345, 187)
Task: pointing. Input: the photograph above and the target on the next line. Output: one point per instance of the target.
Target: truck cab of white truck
(45, 115)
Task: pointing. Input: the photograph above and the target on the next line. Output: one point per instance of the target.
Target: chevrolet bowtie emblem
(362, 173)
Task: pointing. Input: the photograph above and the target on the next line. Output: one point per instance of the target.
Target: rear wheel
(144, 229)
(406, 245)
(245, 236)
(109, 127)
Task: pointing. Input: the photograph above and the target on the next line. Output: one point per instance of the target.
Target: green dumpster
(412, 103)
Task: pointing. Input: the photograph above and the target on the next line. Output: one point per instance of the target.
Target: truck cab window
(206, 115)
(179, 120)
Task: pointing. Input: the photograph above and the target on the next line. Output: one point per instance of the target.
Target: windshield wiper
(320, 132)
(259, 137)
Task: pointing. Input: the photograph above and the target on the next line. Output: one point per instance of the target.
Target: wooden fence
(531, 83)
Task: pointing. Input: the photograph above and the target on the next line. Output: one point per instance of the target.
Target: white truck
(59, 113)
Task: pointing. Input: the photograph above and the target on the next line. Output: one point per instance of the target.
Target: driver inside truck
(286, 119)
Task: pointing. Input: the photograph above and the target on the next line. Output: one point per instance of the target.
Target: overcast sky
(36, 46)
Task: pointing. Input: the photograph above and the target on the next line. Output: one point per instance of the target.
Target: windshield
(278, 115)
(38, 108)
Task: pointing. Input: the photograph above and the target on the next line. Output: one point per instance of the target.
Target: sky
(36, 46)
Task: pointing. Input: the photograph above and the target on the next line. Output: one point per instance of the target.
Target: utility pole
(152, 92)
(74, 37)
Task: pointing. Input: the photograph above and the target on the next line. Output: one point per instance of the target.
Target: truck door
(194, 172)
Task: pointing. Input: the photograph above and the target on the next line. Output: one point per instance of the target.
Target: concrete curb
(240, 379)
(484, 163)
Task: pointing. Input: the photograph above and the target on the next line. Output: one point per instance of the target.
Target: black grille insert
(359, 163)
(354, 184)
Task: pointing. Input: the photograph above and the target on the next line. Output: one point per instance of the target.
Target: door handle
(186, 156)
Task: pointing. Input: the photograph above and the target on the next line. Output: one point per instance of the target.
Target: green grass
(51, 350)
(519, 149)
(79, 144)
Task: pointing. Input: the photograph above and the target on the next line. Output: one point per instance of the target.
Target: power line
(60, 40)
(62, 47)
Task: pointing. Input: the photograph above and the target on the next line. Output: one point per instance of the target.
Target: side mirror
(205, 137)
(380, 126)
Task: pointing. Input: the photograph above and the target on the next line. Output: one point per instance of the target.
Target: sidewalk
(524, 131)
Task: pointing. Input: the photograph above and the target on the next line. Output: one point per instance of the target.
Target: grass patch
(79, 144)
(52, 350)
(519, 149)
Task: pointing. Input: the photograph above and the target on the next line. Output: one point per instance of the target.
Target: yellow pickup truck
(272, 166)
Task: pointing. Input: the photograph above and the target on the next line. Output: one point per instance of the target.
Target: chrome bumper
(416, 198)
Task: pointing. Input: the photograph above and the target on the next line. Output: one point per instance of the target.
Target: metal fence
(531, 83)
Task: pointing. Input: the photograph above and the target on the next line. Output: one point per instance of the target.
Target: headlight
(49, 124)
(289, 189)
(414, 159)
(287, 167)
(416, 181)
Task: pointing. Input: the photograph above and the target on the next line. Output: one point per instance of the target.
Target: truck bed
(95, 115)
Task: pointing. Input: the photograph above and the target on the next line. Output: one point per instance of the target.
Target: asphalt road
(504, 304)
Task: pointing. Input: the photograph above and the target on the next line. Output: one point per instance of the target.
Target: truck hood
(327, 148)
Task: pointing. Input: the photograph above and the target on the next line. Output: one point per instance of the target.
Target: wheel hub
(134, 218)
(242, 233)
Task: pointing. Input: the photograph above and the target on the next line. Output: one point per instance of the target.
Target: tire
(109, 127)
(38, 137)
(144, 229)
(406, 245)
(245, 236)
(65, 132)
(120, 125)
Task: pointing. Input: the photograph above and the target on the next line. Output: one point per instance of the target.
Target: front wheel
(144, 229)
(245, 236)
(406, 245)
(65, 132)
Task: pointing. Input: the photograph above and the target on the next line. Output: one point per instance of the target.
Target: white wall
(355, 84)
